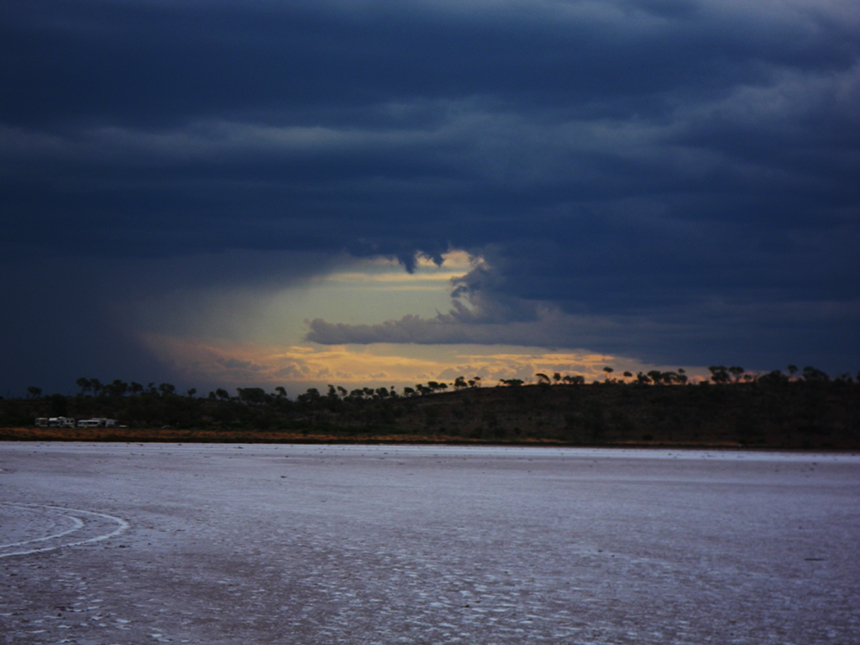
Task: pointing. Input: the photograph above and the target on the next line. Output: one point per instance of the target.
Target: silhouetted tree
(84, 384)
(813, 375)
(166, 389)
(311, 396)
(116, 388)
(774, 377)
(656, 376)
(255, 395)
(719, 374)
(736, 373)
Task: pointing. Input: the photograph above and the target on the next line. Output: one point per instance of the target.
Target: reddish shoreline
(167, 435)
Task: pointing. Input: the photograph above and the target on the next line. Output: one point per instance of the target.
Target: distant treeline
(792, 409)
(720, 375)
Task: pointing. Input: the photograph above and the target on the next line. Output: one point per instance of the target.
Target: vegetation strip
(793, 410)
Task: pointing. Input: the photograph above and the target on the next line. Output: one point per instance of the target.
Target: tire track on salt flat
(84, 522)
(77, 524)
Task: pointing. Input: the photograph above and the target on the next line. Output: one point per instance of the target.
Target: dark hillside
(768, 412)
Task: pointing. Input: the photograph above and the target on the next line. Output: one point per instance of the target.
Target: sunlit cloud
(352, 290)
(249, 336)
(388, 273)
(216, 363)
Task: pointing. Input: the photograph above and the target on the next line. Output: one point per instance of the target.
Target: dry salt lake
(157, 543)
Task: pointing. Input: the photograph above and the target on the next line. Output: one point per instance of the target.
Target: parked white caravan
(55, 422)
(100, 422)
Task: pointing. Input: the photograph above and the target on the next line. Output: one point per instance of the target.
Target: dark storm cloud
(681, 174)
(67, 316)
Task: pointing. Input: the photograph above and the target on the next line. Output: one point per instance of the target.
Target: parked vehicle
(100, 422)
(55, 422)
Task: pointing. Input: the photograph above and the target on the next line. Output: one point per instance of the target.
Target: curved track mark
(76, 526)
(79, 525)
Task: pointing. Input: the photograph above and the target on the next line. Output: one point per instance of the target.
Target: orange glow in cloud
(242, 339)
(218, 363)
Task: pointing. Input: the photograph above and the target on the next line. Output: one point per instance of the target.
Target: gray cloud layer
(679, 165)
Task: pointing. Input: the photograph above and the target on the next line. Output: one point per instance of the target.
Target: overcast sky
(278, 192)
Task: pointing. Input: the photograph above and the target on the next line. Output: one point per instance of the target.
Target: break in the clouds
(674, 181)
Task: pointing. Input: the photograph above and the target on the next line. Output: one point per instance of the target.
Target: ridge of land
(781, 415)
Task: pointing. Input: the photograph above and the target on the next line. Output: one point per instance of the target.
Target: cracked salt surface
(356, 544)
